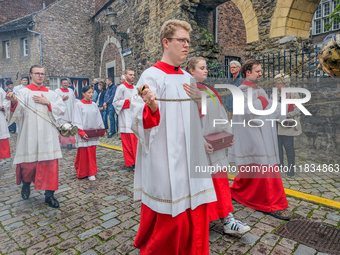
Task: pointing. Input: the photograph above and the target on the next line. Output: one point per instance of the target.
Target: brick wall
(20, 8)
(231, 31)
(67, 38)
(99, 4)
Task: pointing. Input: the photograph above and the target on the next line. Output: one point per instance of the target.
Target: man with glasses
(234, 79)
(174, 213)
(37, 149)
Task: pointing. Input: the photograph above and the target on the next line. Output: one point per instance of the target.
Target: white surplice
(124, 115)
(17, 88)
(70, 103)
(258, 145)
(4, 133)
(215, 110)
(168, 153)
(37, 138)
(87, 116)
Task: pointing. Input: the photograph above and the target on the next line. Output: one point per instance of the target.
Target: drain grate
(317, 235)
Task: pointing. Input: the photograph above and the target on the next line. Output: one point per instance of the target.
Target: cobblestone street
(100, 217)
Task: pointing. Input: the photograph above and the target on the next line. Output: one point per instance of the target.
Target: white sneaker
(92, 178)
(233, 226)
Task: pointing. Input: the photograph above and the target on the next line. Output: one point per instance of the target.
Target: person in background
(24, 82)
(86, 116)
(286, 134)
(121, 103)
(110, 110)
(11, 128)
(5, 151)
(69, 99)
(122, 79)
(10, 86)
(100, 102)
(95, 90)
(234, 79)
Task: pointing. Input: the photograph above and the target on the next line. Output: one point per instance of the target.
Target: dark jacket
(110, 94)
(101, 99)
(237, 82)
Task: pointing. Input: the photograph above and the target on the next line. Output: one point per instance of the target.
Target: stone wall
(20, 8)
(18, 65)
(67, 38)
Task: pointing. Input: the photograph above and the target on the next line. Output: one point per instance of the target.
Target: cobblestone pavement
(100, 217)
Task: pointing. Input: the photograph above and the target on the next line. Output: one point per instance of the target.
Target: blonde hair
(284, 78)
(192, 62)
(169, 28)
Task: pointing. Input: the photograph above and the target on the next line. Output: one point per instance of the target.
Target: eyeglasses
(183, 41)
(233, 67)
(39, 74)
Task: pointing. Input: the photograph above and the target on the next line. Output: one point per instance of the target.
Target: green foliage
(334, 16)
(215, 69)
(215, 47)
(208, 37)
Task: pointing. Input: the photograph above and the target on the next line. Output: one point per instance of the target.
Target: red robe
(129, 140)
(86, 158)
(5, 150)
(262, 194)
(44, 174)
(188, 232)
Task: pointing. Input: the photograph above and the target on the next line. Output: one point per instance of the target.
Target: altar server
(222, 208)
(69, 99)
(174, 214)
(37, 149)
(256, 150)
(121, 103)
(87, 117)
(5, 151)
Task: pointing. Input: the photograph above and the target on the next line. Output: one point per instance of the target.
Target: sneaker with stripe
(233, 226)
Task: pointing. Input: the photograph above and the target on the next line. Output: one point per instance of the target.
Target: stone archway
(293, 17)
(246, 8)
(111, 39)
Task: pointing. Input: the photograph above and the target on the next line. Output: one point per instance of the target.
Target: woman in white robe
(86, 116)
(222, 208)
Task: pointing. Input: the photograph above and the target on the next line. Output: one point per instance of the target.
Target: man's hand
(149, 98)
(11, 97)
(85, 137)
(104, 105)
(232, 143)
(41, 100)
(100, 108)
(65, 97)
(208, 148)
(193, 92)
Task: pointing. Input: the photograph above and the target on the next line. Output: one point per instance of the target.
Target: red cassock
(162, 234)
(44, 174)
(262, 194)
(5, 150)
(129, 142)
(86, 160)
(223, 206)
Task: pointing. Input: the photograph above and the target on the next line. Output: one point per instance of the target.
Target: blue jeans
(116, 128)
(103, 113)
(110, 111)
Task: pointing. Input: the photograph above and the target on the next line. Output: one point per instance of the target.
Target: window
(325, 21)
(6, 46)
(54, 83)
(25, 46)
(335, 4)
(318, 12)
(318, 26)
(336, 25)
(326, 9)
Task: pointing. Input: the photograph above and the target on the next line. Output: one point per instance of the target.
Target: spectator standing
(100, 102)
(234, 79)
(110, 110)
